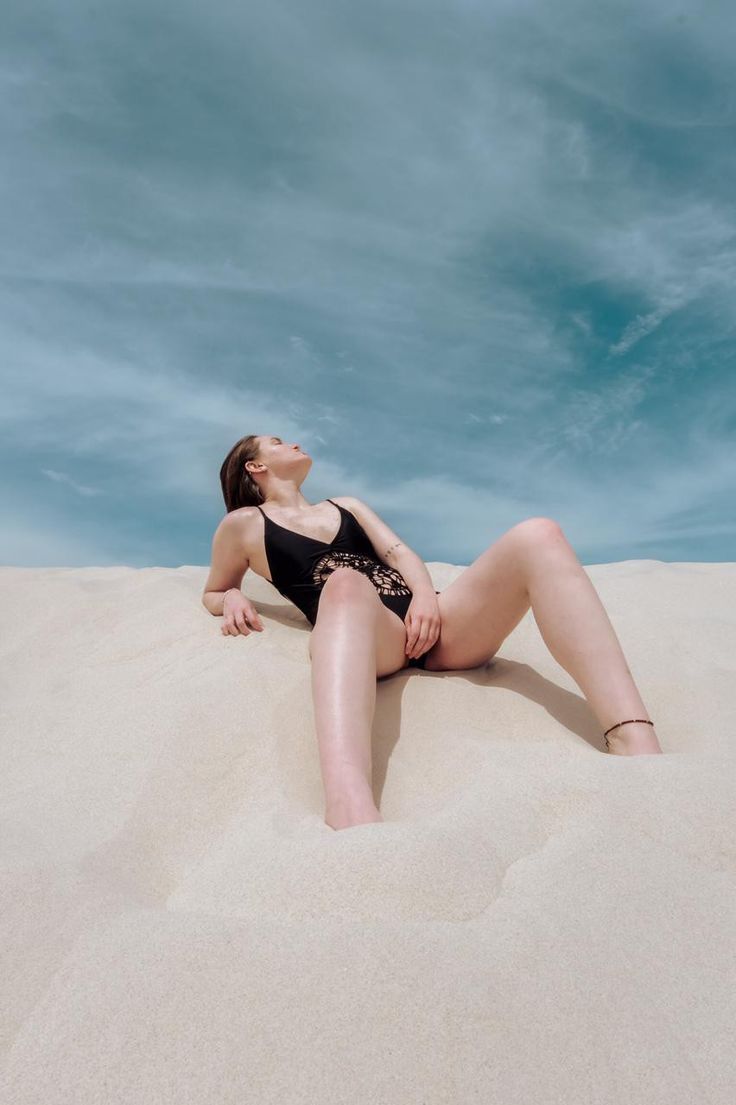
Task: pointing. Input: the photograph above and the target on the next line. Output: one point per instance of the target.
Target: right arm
(229, 564)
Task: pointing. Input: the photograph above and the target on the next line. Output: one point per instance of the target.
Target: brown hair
(238, 486)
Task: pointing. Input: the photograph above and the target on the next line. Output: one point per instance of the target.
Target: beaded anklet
(644, 720)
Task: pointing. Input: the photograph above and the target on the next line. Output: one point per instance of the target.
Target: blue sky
(477, 258)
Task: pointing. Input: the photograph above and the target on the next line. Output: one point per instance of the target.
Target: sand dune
(534, 920)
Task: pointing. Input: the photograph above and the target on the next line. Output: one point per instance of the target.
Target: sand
(534, 921)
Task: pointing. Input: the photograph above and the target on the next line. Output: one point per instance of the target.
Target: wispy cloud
(62, 477)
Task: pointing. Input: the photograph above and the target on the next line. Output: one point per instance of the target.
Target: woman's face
(275, 447)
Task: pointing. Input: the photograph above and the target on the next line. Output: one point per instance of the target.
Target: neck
(288, 498)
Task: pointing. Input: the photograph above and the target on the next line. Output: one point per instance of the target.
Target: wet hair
(238, 486)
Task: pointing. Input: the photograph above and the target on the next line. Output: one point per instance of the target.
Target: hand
(423, 623)
(239, 615)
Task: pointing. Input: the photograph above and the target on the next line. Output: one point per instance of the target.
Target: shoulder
(357, 506)
(235, 519)
(239, 524)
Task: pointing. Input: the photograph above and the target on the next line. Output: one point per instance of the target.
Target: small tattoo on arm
(392, 547)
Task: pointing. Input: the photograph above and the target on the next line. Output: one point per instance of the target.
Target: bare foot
(344, 815)
(634, 740)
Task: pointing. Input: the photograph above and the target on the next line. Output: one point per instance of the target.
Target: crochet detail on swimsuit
(386, 580)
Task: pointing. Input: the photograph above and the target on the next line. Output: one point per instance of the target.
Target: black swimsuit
(299, 566)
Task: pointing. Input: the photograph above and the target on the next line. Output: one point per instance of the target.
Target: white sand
(535, 921)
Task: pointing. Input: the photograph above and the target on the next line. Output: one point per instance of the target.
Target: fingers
(412, 639)
(231, 628)
(419, 647)
(240, 622)
(420, 640)
(423, 645)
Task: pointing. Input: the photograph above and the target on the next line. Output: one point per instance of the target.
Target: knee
(346, 583)
(539, 531)
(344, 592)
(345, 576)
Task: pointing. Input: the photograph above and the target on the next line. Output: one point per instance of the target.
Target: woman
(375, 611)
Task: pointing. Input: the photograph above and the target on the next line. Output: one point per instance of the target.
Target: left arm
(423, 621)
(390, 549)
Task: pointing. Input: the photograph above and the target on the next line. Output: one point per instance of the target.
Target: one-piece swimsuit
(300, 565)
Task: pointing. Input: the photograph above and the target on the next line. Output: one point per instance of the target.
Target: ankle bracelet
(643, 720)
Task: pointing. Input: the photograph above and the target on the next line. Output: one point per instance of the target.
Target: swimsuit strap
(326, 500)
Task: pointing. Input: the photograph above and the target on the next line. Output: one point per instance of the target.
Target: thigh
(354, 591)
(484, 604)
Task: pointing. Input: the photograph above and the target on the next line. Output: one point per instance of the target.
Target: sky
(476, 257)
